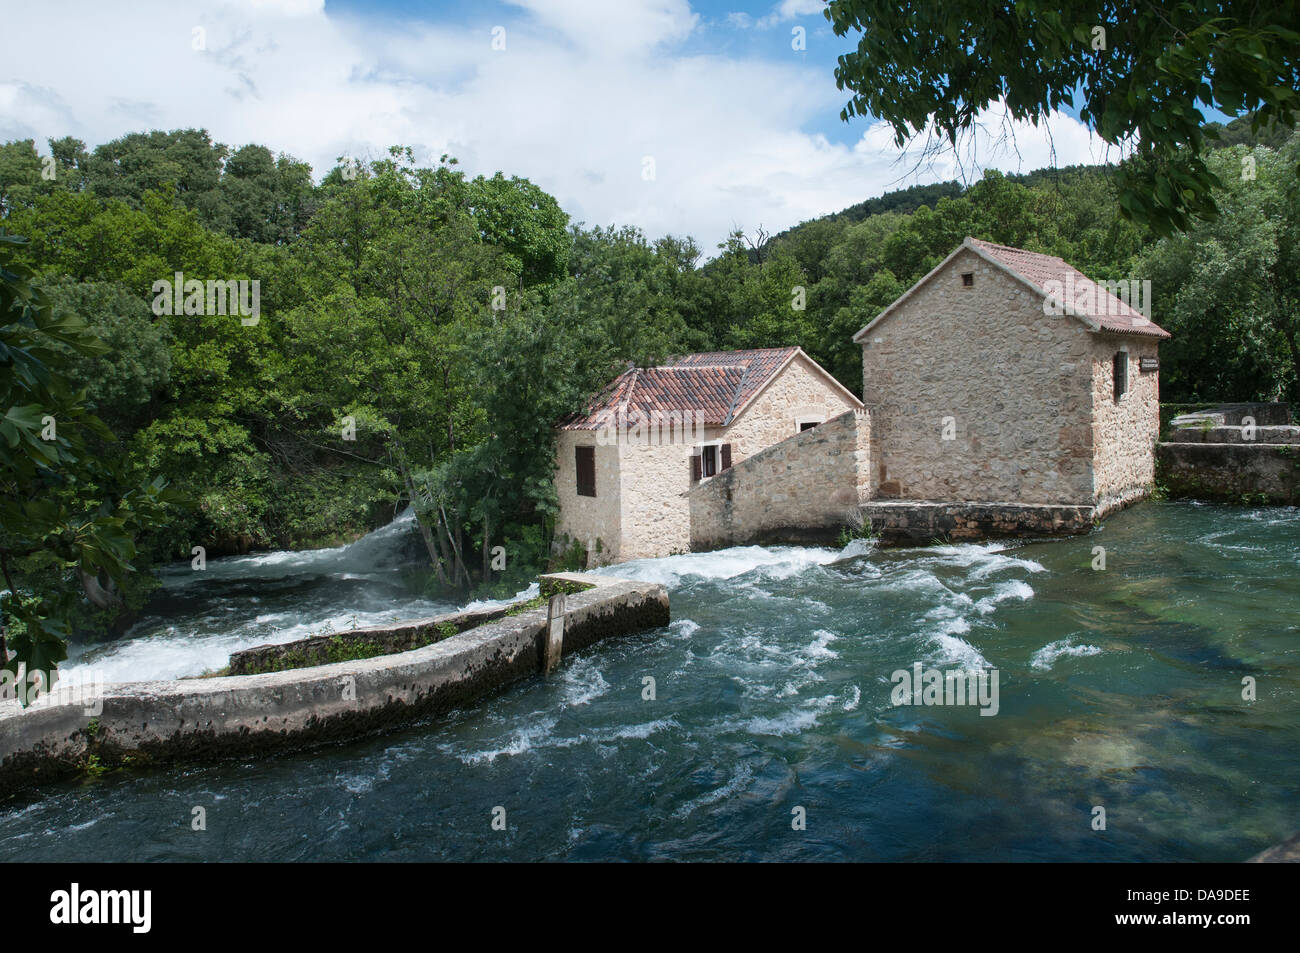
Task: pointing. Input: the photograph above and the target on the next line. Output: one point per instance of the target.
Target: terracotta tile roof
(1099, 305)
(715, 383)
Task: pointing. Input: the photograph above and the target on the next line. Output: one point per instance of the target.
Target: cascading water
(200, 616)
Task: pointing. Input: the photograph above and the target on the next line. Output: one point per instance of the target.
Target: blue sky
(673, 116)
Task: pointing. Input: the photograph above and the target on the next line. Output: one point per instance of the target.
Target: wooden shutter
(585, 462)
(726, 458)
(695, 468)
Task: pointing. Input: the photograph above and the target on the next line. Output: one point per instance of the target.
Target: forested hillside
(420, 330)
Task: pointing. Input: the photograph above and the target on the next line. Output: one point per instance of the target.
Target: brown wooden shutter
(695, 468)
(726, 457)
(584, 459)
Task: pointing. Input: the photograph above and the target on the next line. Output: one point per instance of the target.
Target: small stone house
(1007, 375)
(626, 465)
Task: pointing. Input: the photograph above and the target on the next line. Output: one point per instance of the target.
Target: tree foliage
(1143, 74)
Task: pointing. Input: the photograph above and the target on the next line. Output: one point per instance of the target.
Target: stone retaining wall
(1211, 455)
(1231, 472)
(201, 719)
(801, 490)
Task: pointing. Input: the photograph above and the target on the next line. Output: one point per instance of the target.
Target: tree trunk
(453, 534)
(4, 629)
(425, 533)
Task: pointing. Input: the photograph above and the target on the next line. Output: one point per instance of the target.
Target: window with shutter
(709, 460)
(726, 457)
(695, 468)
(1121, 374)
(585, 461)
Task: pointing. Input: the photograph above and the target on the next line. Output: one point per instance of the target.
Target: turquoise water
(1120, 688)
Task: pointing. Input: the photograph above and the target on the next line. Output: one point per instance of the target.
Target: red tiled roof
(717, 384)
(1087, 298)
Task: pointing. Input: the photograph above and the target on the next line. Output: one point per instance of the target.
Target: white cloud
(601, 27)
(581, 95)
(791, 10)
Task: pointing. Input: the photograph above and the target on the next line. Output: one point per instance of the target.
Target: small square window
(968, 279)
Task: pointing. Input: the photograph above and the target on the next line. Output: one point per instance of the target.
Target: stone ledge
(1231, 415)
(908, 522)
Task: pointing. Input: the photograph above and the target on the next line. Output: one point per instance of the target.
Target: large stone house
(1005, 393)
(1008, 376)
(625, 466)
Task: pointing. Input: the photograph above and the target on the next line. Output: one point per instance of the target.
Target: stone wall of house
(592, 521)
(1124, 431)
(656, 519)
(803, 489)
(1017, 384)
(800, 392)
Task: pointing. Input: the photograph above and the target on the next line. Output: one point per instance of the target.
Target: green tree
(1229, 290)
(1144, 73)
(62, 514)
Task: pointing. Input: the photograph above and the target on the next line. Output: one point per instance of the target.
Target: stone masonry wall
(1124, 432)
(803, 489)
(1231, 472)
(588, 519)
(656, 519)
(1017, 383)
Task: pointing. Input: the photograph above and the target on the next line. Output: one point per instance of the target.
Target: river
(1119, 689)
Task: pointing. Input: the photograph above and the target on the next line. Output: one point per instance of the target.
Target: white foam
(583, 683)
(739, 780)
(531, 592)
(1046, 657)
(792, 722)
(777, 562)
(177, 653)
(1011, 589)
(531, 735)
(956, 650)
(856, 548)
(683, 628)
(377, 551)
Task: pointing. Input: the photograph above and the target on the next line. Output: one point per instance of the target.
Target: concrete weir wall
(202, 719)
(804, 489)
